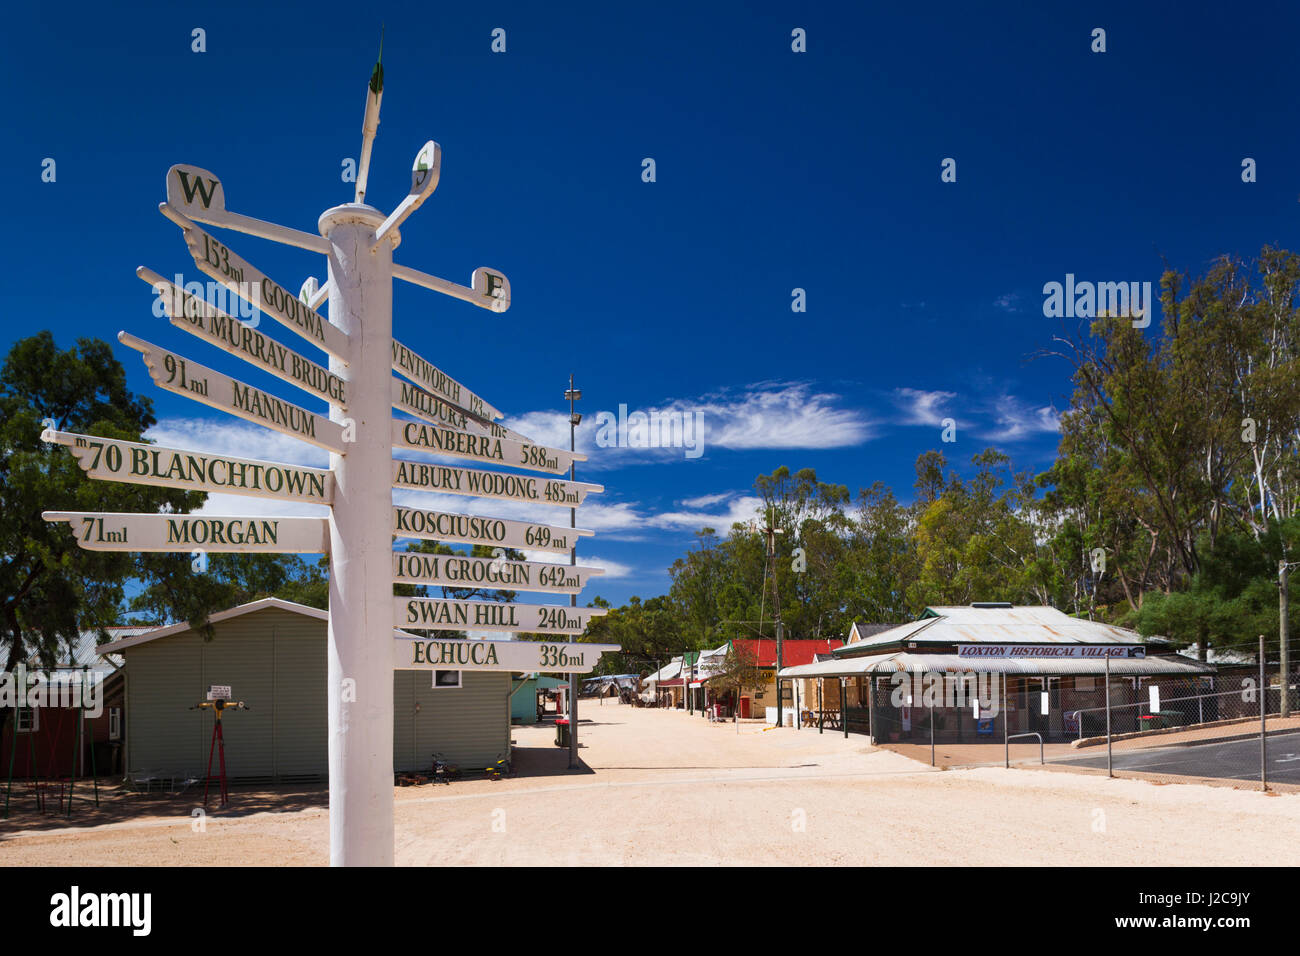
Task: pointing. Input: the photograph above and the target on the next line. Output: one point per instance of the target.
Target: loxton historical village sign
(355, 377)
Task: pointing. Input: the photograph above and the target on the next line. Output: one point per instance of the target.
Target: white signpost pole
(360, 669)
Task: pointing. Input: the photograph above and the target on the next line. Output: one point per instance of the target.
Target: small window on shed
(115, 723)
(29, 720)
(443, 680)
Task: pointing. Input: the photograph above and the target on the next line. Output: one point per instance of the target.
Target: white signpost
(360, 434)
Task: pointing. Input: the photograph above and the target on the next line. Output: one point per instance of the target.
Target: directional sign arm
(420, 476)
(424, 180)
(176, 533)
(111, 459)
(242, 340)
(489, 288)
(217, 261)
(476, 529)
(185, 377)
(424, 373)
(525, 657)
(410, 398)
(445, 614)
(498, 574)
(199, 195)
(459, 444)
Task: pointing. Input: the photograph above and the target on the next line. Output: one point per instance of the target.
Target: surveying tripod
(218, 743)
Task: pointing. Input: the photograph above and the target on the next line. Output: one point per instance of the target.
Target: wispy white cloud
(1017, 420)
(921, 407)
(703, 501)
(761, 416)
(236, 439)
(740, 509)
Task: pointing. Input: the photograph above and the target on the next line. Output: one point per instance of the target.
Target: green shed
(272, 654)
(523, 703)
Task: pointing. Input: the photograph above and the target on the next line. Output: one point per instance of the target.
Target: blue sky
(775, 170)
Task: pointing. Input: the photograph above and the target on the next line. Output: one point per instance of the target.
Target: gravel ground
(663, 787)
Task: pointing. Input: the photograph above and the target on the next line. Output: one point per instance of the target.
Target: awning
(1164, 665)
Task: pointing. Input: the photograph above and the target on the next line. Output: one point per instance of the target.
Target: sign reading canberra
(348, 316)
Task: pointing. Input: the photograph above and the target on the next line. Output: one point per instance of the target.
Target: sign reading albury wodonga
(115, 460)
(419, 476)
(526, 657)
(445, 614)
(477, 529)
(187, 377)
(461, 571)
(164, 532)
(460, 444)
(242, 340)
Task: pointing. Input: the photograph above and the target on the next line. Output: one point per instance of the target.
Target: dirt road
(662, 787)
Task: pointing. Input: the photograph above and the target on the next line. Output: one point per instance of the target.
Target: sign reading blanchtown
(444, 614)
(163, 532)
(999, 651)
(519, 656)
(115, 460)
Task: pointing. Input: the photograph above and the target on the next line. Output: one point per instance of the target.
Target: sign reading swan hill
(475, 529)
(361, 392)
(460, 571)
(187, 377)
(114, 460)
(445, 614)
(420, 476)
(164, 532)
(527, 657)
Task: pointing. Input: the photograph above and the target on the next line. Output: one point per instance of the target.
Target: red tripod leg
(207, 779)
(221, 753)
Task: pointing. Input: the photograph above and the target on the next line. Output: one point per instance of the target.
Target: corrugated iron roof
(996, 625)
(1164, 665)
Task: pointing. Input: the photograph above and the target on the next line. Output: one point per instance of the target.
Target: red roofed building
(793, 652)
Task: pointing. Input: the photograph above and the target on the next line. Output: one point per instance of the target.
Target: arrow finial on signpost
(370, 125)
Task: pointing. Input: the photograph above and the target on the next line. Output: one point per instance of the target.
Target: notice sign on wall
(1079, 651)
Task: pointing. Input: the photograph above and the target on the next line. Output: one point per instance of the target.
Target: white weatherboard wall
(275, 661)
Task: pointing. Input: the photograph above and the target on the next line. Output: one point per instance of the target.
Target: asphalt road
(1232, 760)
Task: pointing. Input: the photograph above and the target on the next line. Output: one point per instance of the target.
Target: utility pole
(772, 531)
(572, 395)
(1284, 653)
